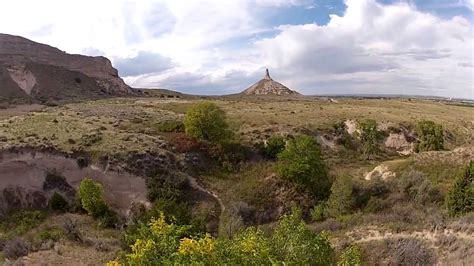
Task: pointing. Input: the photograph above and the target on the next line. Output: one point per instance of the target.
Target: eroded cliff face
(23, 182)
(25, 63)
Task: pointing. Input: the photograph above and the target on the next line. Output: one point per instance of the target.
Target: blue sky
(422, 47)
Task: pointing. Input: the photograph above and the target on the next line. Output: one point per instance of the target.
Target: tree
(369, 137)
(430, 136)
(460, 199)
(340, 200)
(301, 163)
(92, 198)
(206, 121)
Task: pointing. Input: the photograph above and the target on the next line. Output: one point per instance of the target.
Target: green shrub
(291, 243)
(416, 187)
(170, 126)
(430, 136)
(108, 218)
(58, 203)
(229, 155)
(340, 200)
(165, 185)
(301, 163)
(275, 144)
(460, 199)
(294, 244)
(351, 257)
(369, 137)
(174, 212)
(21, 221)
(230, 223)
(342, 136)
(318, 213)
(52, 233)
(374, 205)
(206, 121)
(92, 198)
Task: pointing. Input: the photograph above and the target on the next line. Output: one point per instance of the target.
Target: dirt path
(374, 234)
(194, 183)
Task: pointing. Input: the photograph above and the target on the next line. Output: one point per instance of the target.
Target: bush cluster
(170, 126)
(430, 136)
(58, 203)
(228, 155)
(342, 136)
(301, 163)
(91, 196)
(207, 122)
(417, 188)
(272, 147)
(340, 200)
(290, 243)
(369, 136)
(460, 199)
(165, 185)
(352, 256)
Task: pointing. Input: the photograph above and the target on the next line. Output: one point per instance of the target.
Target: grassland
(118, 127)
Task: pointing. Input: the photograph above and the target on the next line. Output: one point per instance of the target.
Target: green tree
(301, 163)
(340, 200)
(206, 121)
(91, 194)
(460, 199)
(430, 136)
(369, 137)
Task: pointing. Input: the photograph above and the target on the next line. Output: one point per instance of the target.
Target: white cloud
(386, 49)
(214, 46)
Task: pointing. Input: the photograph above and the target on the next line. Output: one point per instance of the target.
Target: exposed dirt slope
(22, 178)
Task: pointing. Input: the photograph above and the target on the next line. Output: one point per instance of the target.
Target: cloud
(143, 63)
(200, 83)
(379, 46)
(217, 47)
(465, 64)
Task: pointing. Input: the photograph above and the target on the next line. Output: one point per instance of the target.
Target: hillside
(137, 148)
(35, 72)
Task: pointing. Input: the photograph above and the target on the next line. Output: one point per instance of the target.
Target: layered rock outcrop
(35, 71)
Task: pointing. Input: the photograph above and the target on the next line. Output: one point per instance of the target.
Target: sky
(412, 47)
